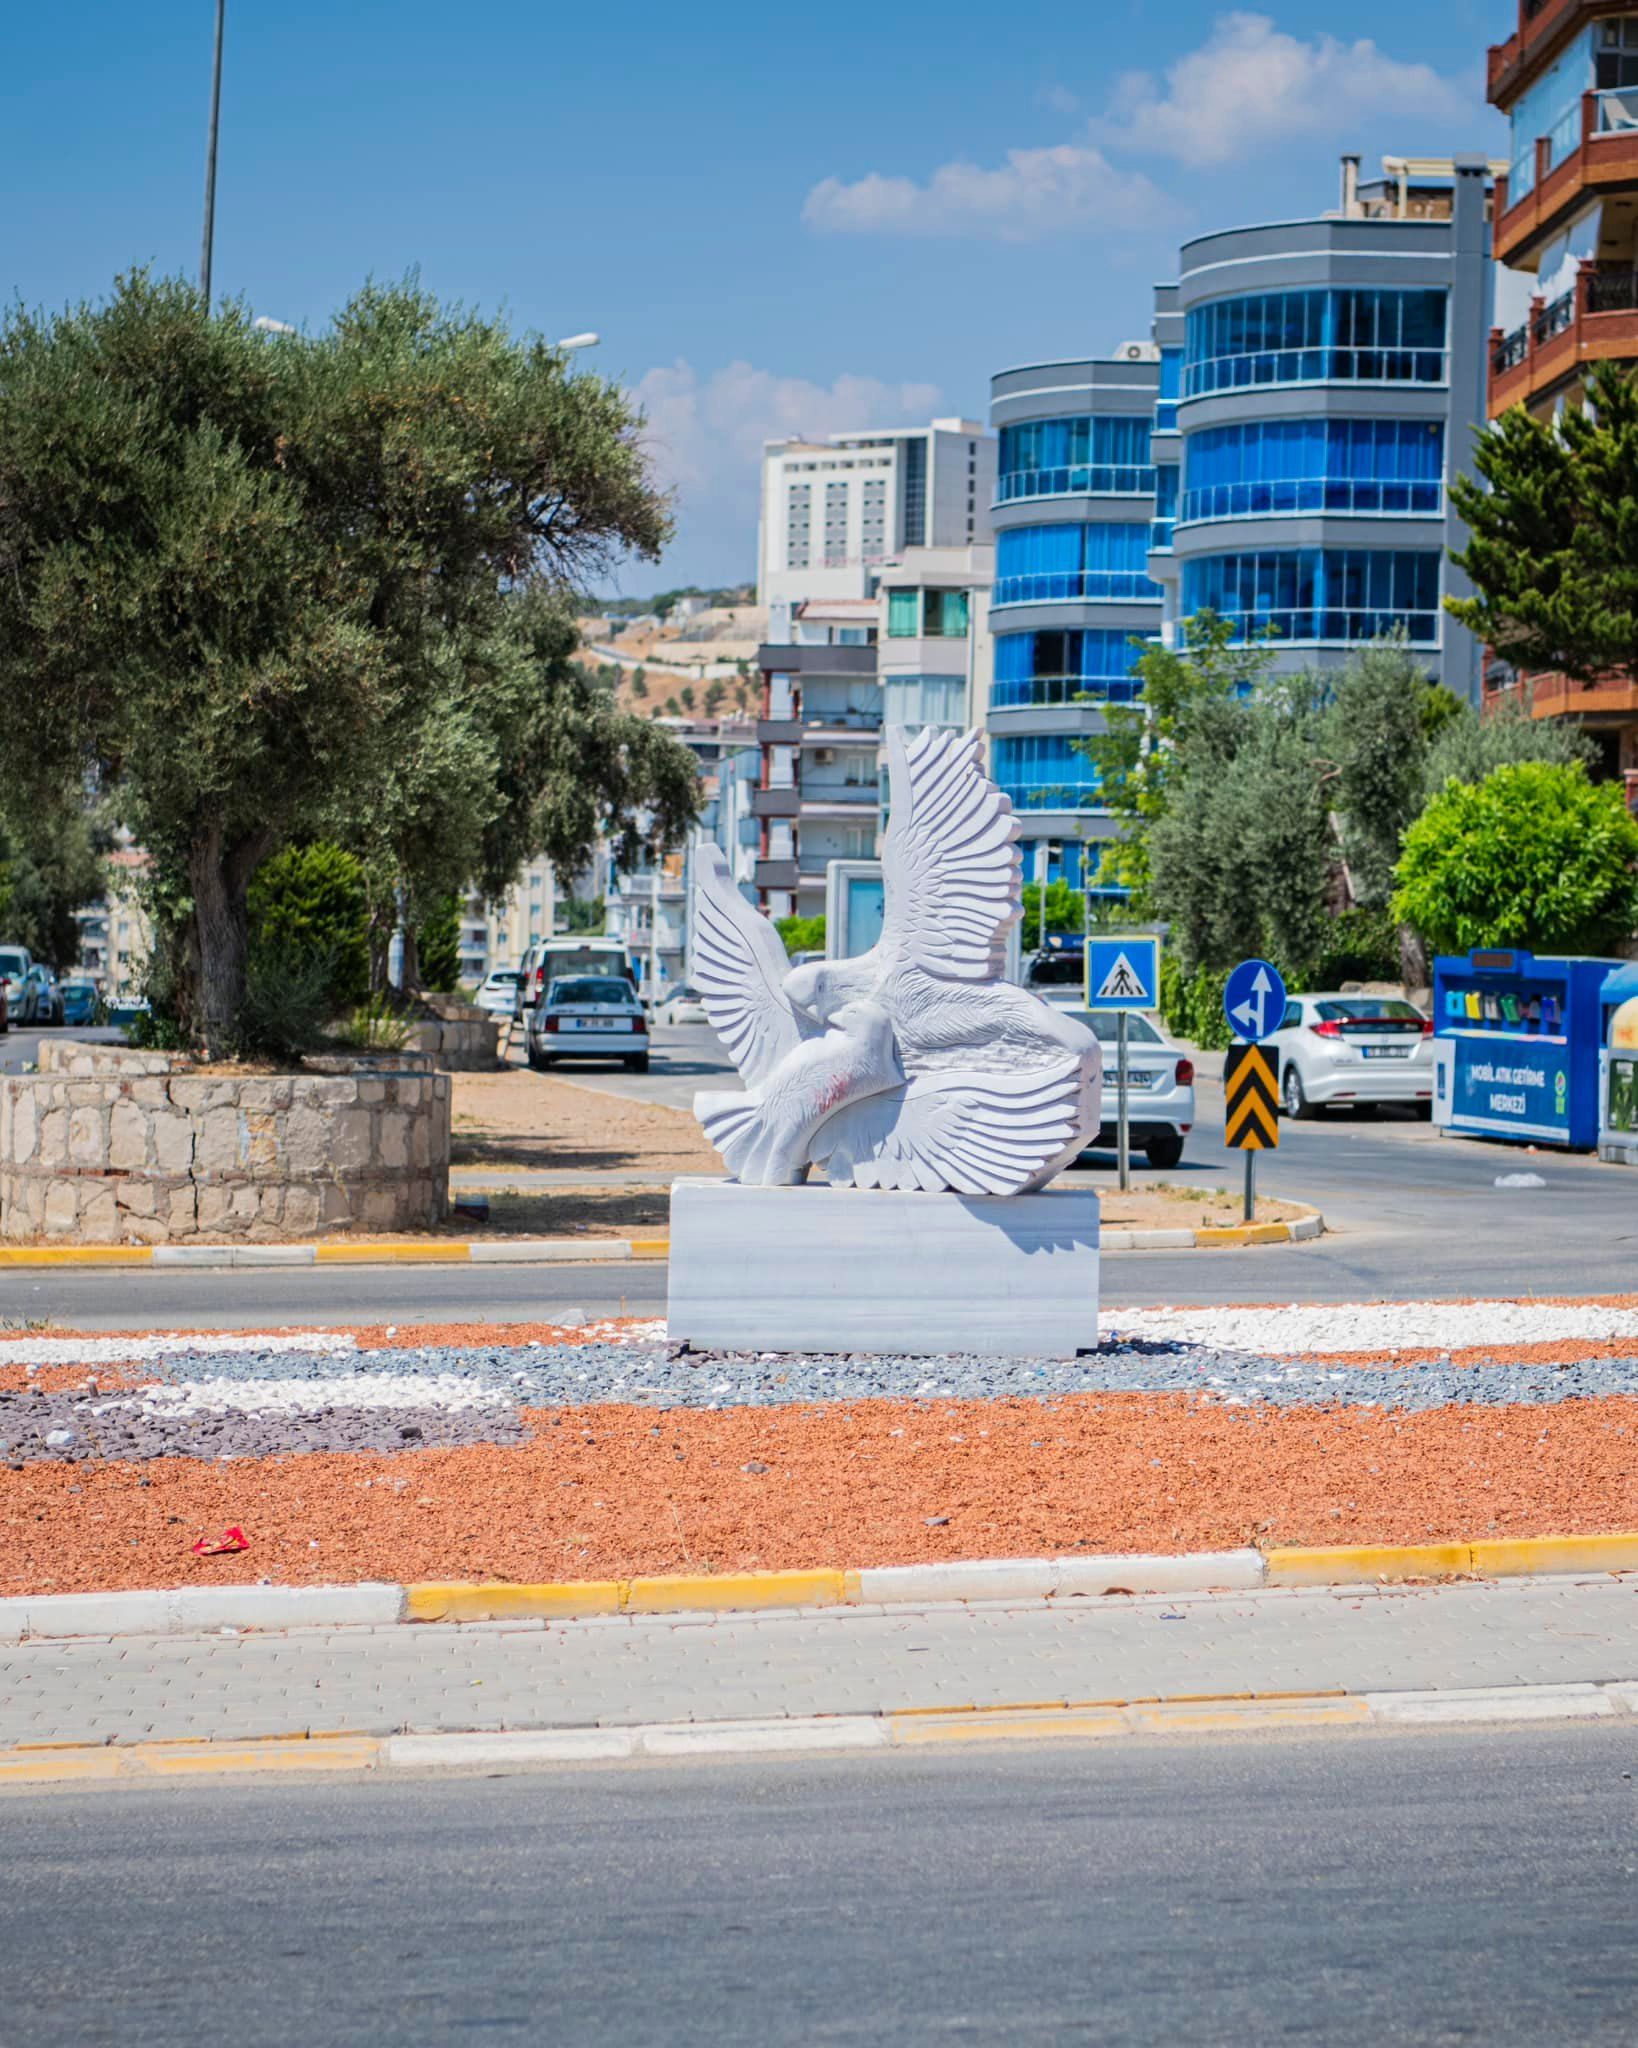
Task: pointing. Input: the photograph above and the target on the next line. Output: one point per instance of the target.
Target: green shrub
(1356, 945)
(438, 946)
(309, 903)
(376, 1026)
(1536, 855)
(1191, 1005)
(801, 934)
(286, 1005)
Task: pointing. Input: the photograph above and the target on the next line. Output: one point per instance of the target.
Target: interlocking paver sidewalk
(618, 1671)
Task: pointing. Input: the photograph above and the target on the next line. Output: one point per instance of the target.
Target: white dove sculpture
(915, 1065)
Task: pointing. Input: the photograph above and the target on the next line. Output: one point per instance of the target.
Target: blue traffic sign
(1123, 972)
(1254, 1000)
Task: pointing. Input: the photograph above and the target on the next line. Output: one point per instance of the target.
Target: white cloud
(706, 434)
(1251, 85)
(1036, 192)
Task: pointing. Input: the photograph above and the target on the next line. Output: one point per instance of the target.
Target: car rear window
(585, 990)
(1139, 1031)
(12, 963)
(506, 974)
(1367, 1010)
(1057, 970)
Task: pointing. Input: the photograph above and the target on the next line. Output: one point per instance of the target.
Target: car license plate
(1386, 1052)
(594, 1023)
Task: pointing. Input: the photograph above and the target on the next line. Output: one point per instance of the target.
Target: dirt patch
(1159, 1207)
(520, 1119)
(616, 1490)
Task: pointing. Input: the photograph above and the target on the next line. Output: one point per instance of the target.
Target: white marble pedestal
(847, 1269)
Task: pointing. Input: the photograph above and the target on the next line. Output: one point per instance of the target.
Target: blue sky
(778, 219)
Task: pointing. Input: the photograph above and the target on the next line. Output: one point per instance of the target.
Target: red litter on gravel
(225, 1545)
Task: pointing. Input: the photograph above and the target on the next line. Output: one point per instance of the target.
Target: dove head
(812, 989)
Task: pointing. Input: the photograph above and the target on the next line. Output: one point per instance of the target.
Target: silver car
(588, 1017)
(1159, 1088)
(1352, 1051)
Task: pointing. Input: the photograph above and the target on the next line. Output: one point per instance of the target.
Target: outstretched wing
(950, 861)
(740, 966)
(980, 1134)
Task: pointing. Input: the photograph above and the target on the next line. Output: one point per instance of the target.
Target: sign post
(1254, 1003)
(1122, 975)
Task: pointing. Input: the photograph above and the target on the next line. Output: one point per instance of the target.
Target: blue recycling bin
(1518, 1039)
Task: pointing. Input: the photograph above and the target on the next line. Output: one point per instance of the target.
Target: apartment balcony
(775, 803)
(848, 806)
(777, 874)
(1542, 23)
(1596, 321)
(1602, 701)
(778, 732)
(816, 661)
(1593, 150)
(850, 729)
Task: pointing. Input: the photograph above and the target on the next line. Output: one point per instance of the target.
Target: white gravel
(1373, 1326)
(310, 1396)
(117, 1350)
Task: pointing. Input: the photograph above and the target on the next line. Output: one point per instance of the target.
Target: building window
(1382, 337)
(1043, 772)
(903, 614)
(873, 519)
(924, 700)
(914, 508)
(1340, 595)
(1062, 666)
(945, 614)
(1106, 455)
(1057, 564)
(1269, 467)
(798, 525)
(835, 525)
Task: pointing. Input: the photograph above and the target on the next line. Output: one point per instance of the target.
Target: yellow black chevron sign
(1253, 1104)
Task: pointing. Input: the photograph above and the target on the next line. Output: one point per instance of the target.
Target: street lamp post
(210, 160)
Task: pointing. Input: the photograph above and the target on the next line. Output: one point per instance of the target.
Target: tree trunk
(219, 876)
(1414, 971)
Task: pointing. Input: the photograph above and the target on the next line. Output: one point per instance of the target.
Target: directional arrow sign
(1254, 1000)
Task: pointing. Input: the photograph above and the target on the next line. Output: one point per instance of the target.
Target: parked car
(125, 1010)
(498, 992)
(548, 960)
(1058, 975)
(588, 1017)
(15, 962)
(683, 1006)
(1352, 1050)
(81, 1002)
(1159, 1088)
(45, 998)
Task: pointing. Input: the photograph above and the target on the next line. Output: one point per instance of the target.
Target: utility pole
(210, 161)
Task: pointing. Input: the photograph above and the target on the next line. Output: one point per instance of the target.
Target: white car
(15, 962)
(1159, 1088)
(1352, 1051)
(498, 993)
(588, 1017)
(683, 1006)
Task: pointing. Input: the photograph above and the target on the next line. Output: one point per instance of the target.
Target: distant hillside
(662, 605)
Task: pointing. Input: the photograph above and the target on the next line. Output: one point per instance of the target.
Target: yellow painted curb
(1348, 1565)
(1171, 1718)
(191, 1759)
(77, 1255)
(650, 1247)
(727, 1591)
(912, 1731)
(436, 1601)
(1243, 1233)
(1499, 1559)
(395, 1254)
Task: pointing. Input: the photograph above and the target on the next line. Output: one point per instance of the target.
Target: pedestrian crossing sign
(1123, 972)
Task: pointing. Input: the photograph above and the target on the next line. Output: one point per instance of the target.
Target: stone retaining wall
(461, 1038)
(107, 1146)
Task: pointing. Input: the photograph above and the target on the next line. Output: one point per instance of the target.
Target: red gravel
(613, 1491)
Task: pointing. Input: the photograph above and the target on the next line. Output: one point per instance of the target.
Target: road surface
(1387, 1891)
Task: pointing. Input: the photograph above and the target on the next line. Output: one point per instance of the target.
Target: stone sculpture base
(848, 1269)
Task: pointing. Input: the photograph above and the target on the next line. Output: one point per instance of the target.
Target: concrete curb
(189, 1609)
(44, 1764)
(513, 1251)
(491, 1251)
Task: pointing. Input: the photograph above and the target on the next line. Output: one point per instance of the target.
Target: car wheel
(533, 1055)
(1294, 1096)
(638, 1062)
(1164, 1153)
(1424, 1112)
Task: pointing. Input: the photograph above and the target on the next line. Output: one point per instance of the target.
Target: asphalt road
(20, 1046)
(1394, 1890)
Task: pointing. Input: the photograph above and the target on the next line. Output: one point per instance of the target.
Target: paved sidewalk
(624, 1671)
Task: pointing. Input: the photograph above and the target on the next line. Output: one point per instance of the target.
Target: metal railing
(1612, 291)
(1293, 496)
(1554, 319)
(1101, 480)
(1510, 351)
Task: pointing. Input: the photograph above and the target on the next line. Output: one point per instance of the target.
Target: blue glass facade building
(1075, 509)
(1331, 380)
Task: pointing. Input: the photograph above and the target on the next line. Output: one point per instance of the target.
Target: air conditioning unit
(823, 756)
(1137, 352)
